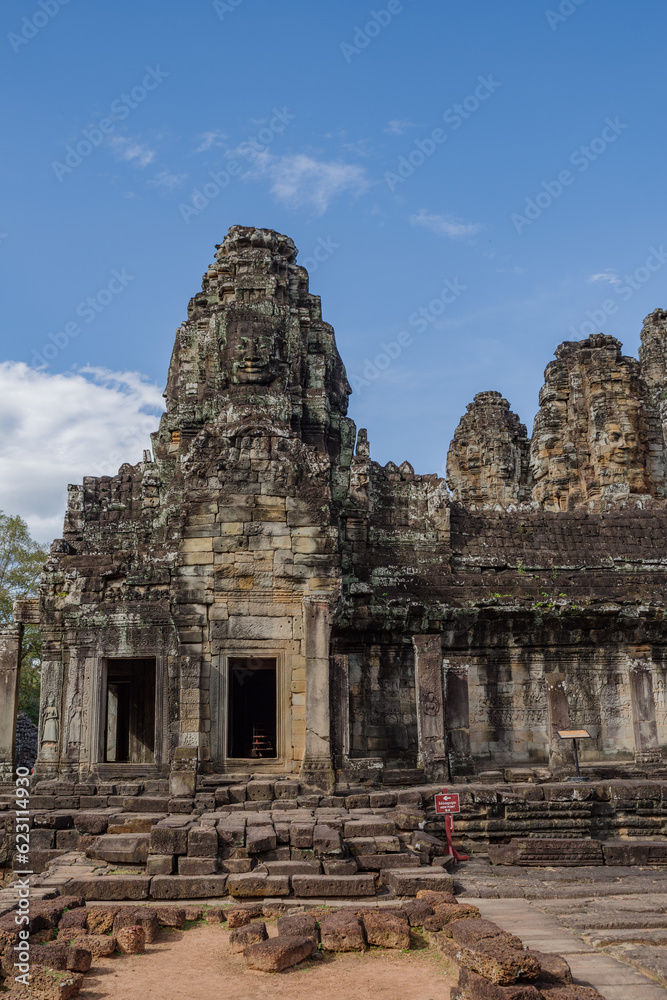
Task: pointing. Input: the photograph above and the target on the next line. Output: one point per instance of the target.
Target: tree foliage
(21, 561)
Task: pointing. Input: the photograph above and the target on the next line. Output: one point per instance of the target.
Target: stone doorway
(252, 708)
(129, 715)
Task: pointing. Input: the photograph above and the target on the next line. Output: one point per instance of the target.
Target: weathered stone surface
(278, 953)
(445, 913)
(140, 916)
(408, 881)
(188, 886)
(251, 933)
(99, 919)
(237, 916)
(131, 940)
(472, 986)
(110, 887)
(171, 916)
(259, 885)
(121, 849)
(488, 459)
(100, 945)
(342, 932)
(299, 925)
(333, 885)
(386, 928)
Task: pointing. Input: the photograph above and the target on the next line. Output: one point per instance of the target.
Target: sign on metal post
(447, 804)
(574, 735)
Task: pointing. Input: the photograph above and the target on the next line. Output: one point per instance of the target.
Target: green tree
(21, 561)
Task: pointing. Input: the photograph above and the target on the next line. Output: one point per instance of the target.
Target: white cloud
(131, 150)
(166, 181)
(56, 429)
(397, 126)
(444, 225)
(210, 140)
(609, 276)
(298, 180)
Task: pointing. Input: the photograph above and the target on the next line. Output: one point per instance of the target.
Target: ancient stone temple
(259, 594)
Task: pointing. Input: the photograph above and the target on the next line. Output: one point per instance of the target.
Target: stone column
(430, 706)
(340, 711)
(647, 748)
(10, 665)
(457, 722)
(317, 767)
(561, 754)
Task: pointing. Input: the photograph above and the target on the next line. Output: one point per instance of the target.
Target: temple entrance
(129, 726)
(253, 723)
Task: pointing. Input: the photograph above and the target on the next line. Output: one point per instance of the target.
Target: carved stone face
(616, 447)
(254, 352)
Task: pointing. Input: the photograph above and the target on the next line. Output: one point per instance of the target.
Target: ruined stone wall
(411, 628)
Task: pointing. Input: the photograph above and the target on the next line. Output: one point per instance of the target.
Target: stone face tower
(488, 460)
(590, 439)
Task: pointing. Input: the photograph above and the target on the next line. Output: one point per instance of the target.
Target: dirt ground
(196, 965)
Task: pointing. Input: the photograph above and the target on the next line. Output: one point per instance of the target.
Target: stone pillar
(430, 708)
(10, 665)
(561, 754)
(457, 722)
(340, 711)
(317, 767)
(647, 748)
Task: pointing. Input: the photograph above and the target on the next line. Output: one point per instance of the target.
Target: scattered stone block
(278, 954)
(446, 913)
(248, 934)
(472, 986)
(74, 918)
(193, 913)
(342, 932)
(99, 919)
(139, 916)
(171, 916)
(237, 916)
(554, 968)
(131, 940)
(215, 915)
(100, 945)
(299, 925)
(339, 866)
(386, 928)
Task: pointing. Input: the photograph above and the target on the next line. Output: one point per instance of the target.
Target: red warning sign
(447, 802)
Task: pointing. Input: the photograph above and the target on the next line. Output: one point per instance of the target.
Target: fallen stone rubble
(66, 935)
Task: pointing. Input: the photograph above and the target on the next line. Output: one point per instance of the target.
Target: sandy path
(196, 965)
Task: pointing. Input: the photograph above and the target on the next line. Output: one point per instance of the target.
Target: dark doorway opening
(252, 707)
(129, 730)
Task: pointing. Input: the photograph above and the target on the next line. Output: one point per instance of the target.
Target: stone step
(541, 852)
(332, 886)
(635, 852)
(408, 881)
(121, 848)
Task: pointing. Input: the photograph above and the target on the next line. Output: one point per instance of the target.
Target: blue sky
(533, 199)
